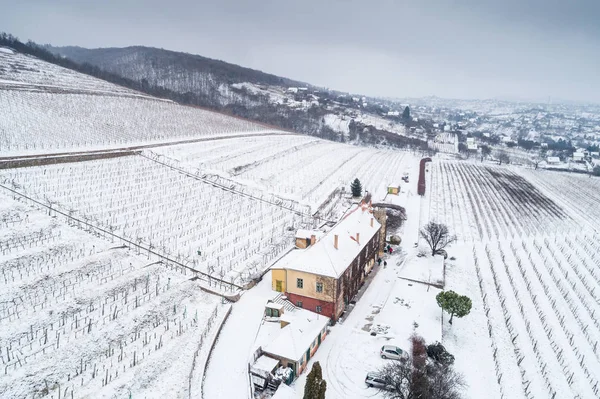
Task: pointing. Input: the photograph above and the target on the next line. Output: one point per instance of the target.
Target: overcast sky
(518, 49)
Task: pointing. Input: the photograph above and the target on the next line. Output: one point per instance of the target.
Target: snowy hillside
(25, 72)
(46, 108)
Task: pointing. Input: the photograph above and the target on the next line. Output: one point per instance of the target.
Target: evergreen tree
(356, 188)
(406, 113)
(315, 384)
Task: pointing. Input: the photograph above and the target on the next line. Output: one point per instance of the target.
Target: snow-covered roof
(296, 337)
(265, 364)
(324, 259)
(303, 233)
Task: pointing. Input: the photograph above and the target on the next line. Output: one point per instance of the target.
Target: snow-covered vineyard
(83, 315)
(300, 168)
(49, 122)
(29, 73)
(46, 108)
(531, 265)
(149, 203)
(238, 229)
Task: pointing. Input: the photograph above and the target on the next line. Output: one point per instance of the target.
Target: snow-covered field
(31, 73)
(47, 108)
(174, 213)
(529, 261)
(44, 122)
(304, 169)
(339, 123)
(444, 142)
(87, 317)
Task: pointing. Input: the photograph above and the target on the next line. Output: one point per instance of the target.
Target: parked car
(393, 352)
(375, 380)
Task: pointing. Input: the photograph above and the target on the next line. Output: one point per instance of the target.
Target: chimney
(371, 222)
(335, 241)
(358, 238)
(313, 239)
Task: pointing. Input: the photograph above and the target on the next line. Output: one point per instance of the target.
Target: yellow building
(326, 275)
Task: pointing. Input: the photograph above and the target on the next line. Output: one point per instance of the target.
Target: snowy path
(226, 375)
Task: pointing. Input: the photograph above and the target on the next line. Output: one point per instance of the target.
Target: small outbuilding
(394, 190)
(300, 336)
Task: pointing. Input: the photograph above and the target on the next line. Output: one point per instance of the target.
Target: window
(299, 283)
(318, 309)
(319, 287)
(299, 304)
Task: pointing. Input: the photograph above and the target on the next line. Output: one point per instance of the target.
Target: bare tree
(502, 157)
(442, 382)
(485, 151)
(535, 161)
(437, 236)
(398, 380)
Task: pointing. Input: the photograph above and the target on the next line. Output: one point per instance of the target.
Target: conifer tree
(356, 188)
(315, 384)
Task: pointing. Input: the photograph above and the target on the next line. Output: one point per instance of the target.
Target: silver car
(377, 381)
(393, 352)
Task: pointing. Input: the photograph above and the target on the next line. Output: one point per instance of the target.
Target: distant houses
(578, 156)
(471, 144)
(327, 274)
(553, 160)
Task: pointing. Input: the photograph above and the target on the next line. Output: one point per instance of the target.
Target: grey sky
(527, 49)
